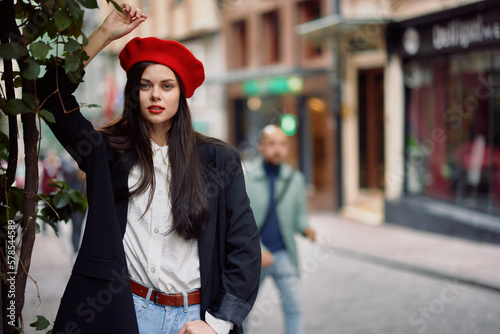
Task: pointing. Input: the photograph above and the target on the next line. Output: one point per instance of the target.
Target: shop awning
(359, 33)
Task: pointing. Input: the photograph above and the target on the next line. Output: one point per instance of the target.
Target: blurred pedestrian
(51, 171)
(278, 200)
(74, 177)
(170, 242)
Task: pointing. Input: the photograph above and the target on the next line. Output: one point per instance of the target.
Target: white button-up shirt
(157, 256)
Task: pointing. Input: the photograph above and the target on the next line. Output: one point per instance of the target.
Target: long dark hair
(129, 133)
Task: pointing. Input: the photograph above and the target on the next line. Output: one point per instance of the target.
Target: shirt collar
(159, 153)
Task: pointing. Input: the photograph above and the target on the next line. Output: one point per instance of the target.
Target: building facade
(419, 112)
(355, 32)
(275, 76)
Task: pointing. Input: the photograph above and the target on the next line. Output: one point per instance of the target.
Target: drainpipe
(336, 94)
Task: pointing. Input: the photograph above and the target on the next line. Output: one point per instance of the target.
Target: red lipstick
(155, 109)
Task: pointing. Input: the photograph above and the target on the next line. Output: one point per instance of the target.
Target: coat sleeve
(242, 265)
(75, 133)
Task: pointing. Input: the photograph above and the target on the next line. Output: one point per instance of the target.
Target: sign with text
(273, 86)
(454, 30)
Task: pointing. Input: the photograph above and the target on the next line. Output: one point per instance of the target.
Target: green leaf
(36, 25)
(40, 50)
(75, 11)
(63, 4)
(46, 217)
(49, 4)
(4, 151)
(73, 61)
(41, 323)
(52, 31)
(76, 76)
(85, 56)
(72, 46)
(89, 3)
(32, 71)
(117, 6)
(21, 10)
(4, 139)
(12, 50)
(15, 199)
(30, 100)
(75, 196)
(85, 40)
(92, 105)
(62, 20)
(47, 116)
(75, 29)
(15, 107)
(18, 81)
(61, 199)
(63, 185)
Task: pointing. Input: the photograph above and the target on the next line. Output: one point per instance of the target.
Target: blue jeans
(285, 275)
(160, 319)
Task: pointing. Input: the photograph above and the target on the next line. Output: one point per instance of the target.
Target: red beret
(169, 53)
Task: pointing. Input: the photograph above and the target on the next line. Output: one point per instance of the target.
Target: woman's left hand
(196, 327)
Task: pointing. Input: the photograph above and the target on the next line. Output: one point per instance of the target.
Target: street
(356, 279)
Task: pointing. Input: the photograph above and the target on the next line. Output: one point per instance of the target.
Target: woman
(170, 244)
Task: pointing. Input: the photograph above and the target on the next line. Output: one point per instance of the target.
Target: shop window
(310, 10)
(271, 37)
(453, 140)
(239, 57)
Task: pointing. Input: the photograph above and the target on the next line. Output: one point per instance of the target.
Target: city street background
(357, 279)
(393, 113)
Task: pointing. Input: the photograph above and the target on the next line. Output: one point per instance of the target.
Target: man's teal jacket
(291, 210)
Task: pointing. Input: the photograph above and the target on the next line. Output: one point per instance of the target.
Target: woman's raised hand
(115, 26)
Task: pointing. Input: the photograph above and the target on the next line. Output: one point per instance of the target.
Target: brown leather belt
(169, 299)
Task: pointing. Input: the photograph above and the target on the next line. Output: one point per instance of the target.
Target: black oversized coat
(98, 298)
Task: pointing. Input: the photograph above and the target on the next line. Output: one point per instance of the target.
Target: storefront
(299, 103)
(451, 72)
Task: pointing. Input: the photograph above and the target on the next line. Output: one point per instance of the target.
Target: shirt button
(160, 192)
(153, 270)
(156, 230)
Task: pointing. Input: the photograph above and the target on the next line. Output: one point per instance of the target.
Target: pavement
(396, 272)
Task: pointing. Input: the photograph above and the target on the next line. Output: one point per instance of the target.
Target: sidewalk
(387, 245)
(51, 265)
(427, 253)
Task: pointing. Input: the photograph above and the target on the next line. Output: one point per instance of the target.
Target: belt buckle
(155, 296)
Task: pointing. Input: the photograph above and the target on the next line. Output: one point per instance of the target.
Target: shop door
(371, 129)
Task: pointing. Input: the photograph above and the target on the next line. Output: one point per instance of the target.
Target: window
(271, 38)
(239, 57)
(310, 10)
(453, 137)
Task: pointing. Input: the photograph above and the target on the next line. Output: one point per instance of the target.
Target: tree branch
(10, 175)
(31, 137)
